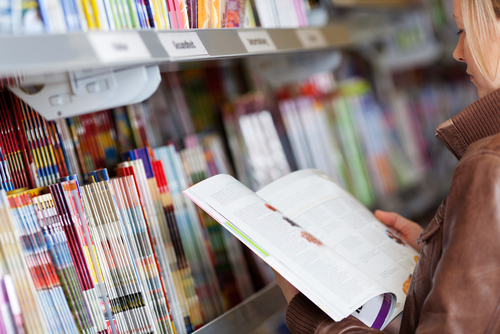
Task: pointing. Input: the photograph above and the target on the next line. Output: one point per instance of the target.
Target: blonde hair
(480, 22)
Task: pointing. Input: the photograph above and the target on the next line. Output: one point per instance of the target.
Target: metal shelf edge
(29, 55)
(248, 315)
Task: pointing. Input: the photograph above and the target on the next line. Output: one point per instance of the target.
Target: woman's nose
(458, 54)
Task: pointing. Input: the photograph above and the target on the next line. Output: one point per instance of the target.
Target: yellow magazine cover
(203, 14)
(249, 17)
(89, 14)
(101, 20)
(158, 15)
(215, 14)
(164, 14)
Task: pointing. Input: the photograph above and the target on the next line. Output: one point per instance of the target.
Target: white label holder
(118, 46)
(257, 41)
(182, 44)
(311, 38)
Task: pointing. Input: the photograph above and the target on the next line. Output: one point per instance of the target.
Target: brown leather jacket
(456, 283)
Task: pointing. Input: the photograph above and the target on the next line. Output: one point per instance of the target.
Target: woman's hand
(288, 289)
(406, 229)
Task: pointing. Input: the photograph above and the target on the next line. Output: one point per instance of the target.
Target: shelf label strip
(257, 41)
(118, 46)
(311, 38)
(183, 44)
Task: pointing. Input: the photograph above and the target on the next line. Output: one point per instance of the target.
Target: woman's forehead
(457, 11)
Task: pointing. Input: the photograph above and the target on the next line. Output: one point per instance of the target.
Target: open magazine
(320, 239)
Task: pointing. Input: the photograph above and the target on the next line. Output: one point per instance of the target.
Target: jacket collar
(479, 120)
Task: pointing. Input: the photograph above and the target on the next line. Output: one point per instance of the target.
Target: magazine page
(326, 278)
(311, 200)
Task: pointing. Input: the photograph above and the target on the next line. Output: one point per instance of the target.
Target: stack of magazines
(110, 15)
(123, 254)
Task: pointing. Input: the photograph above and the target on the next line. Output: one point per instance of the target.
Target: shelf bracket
(83, 92)
(282, 69)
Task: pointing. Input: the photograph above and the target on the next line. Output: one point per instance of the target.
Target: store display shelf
(375, 3)
(420, 57)
(24, 56)
(247, 316)
(418, 199)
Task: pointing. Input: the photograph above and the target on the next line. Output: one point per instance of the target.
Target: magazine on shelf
(320, 239)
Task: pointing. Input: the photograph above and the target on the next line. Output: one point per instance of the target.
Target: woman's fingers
(391, 219)
(395, 221)
(406, 229)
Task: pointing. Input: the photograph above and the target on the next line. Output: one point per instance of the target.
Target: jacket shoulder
(488, 145)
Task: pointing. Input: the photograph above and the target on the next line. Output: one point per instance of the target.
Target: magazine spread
(320, 239)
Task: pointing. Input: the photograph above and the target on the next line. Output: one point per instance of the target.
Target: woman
(456, 284)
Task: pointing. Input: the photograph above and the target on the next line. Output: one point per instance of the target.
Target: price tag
(118, 46)
(311, 38)
(180, 45)
(257, 41)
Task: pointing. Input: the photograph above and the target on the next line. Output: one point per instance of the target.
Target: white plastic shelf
(424, 56)
(24, 56)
